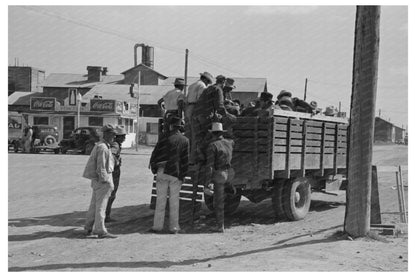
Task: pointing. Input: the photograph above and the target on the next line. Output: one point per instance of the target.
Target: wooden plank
(321, 160)
(336, 150)
(294, 128)
(303, 154)
(288, 150)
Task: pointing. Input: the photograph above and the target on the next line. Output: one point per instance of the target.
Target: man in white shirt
(173, 102)
(194, 91)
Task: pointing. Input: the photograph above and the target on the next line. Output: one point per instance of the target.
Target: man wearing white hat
(173, 102)
(194, 92)
(218, 165)
(99, 170)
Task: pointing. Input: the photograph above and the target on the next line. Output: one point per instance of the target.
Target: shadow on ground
(336, 236)
(139, 219)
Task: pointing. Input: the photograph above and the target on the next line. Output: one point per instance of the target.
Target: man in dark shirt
(218, 165)
(116, 151)
(169, 161)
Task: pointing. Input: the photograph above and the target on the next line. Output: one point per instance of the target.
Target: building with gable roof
(111, 99)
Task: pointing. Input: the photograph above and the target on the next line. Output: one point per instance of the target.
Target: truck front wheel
(296, 198)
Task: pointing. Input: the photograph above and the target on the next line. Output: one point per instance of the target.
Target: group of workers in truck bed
(209, 112)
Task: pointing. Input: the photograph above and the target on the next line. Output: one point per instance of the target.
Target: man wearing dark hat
(169, 161)
(173, 102)
(228, 87)
(116, 151)
(99, 170)
(194, 92)
(266, 105)
(218, 166)
(284, 93)
(286, 103)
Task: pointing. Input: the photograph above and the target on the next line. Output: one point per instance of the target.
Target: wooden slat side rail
(288, 146)
(302, 163)
(321, 162)
(336, 150)
(270, 147)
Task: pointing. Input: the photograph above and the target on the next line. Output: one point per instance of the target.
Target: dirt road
(48, 199)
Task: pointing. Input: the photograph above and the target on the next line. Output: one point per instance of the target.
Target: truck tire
(277, 200)
(231, 202)
(296, 198)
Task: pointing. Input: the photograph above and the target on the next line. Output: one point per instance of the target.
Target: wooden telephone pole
(363, 99)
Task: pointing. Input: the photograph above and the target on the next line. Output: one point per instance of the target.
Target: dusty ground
(48, 199)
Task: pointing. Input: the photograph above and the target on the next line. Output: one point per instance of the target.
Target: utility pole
(138, 111)
(379, 112)
(306, 87)
(363, 99)
(186, 72)
(339, 106)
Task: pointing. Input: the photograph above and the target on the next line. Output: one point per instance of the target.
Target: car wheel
(49, 140)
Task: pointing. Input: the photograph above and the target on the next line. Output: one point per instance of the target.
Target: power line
(95, 27)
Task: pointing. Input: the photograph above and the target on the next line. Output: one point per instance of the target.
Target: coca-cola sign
(100, 105)
(42, 103)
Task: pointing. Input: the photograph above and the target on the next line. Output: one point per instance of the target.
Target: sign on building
(72, 96)
(100, 105)
(42, 103)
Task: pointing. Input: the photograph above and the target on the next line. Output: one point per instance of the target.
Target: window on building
(120, 121)
(131, 125)
(40, 120)
(95, 121)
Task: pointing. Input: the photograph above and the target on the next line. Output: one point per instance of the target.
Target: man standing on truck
(173, 102)
(116, 151)
(218, 166)
(194, 92)
(169, 161)
(99, 170)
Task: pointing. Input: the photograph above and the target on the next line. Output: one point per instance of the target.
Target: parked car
(44, 137)
(82, 140)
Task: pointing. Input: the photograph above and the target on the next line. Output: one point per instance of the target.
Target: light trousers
(96, 212)
(167, 184)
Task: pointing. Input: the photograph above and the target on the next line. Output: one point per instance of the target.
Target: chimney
(94, 73)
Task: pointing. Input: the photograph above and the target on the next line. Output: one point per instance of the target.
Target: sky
(285, 44)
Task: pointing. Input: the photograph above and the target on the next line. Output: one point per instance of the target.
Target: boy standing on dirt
(219, 155)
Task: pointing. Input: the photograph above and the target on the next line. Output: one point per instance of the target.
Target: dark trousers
(116, 180)
(219, 178)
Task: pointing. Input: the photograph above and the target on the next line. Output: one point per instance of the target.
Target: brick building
(25, 78)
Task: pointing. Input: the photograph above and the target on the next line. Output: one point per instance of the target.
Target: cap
(108, 128)
(120, 131)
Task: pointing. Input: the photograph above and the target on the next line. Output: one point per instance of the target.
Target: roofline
(141, 64)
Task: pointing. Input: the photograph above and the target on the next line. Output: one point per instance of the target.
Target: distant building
(25, 78)
(385, 131)
(111, 99)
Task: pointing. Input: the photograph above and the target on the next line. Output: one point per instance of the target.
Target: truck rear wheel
(231, 202)
(296, 198)
(277, 201)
